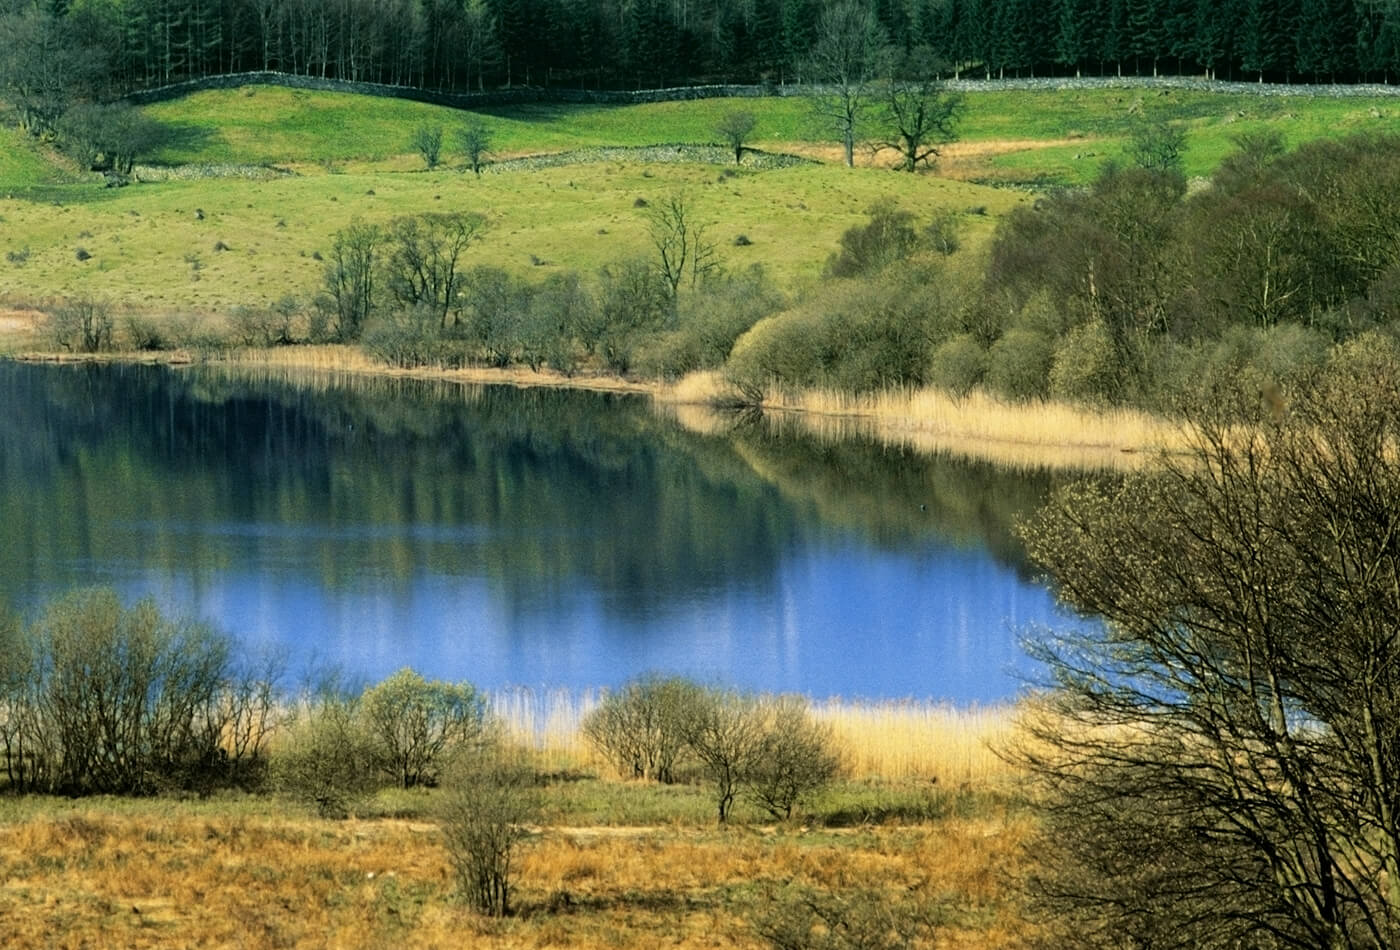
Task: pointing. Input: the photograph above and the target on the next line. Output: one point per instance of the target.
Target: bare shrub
(81, 325)
(727, 736)
(483, 821)
(642, 728)
(119, 700)
(795, 756)
(805, 918)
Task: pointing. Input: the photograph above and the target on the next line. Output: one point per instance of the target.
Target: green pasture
(1070, 133)
(207, 245)
(270, 125)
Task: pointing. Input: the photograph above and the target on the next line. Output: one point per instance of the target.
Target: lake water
(515, 537)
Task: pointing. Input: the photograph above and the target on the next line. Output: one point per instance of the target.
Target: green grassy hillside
(259, 240)
(148, 246)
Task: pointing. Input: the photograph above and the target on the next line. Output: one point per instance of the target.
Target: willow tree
(1222, 755)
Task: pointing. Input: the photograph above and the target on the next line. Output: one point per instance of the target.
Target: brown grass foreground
(170, 875)
(617, 864)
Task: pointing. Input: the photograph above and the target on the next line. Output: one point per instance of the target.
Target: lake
(507, 536)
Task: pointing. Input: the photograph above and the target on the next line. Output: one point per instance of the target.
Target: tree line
(105, 49)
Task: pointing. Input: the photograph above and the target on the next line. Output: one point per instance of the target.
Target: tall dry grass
(1041, 434)
(894, 740)
(920, 740)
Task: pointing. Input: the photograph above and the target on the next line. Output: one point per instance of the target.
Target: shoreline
(1047, 435)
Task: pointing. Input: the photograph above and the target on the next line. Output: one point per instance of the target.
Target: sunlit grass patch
(1029, 435)
(201, 247)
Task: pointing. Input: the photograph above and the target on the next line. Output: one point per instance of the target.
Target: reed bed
(1036, 435)
(1023, 435)
(894, 740)
(904, 740)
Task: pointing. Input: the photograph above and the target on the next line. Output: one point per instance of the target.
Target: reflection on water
(515, 536)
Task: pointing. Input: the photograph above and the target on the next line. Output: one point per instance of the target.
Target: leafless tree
(679, 238)
(920, 114)
(847, 57)
(425, 258)
(1221, 756)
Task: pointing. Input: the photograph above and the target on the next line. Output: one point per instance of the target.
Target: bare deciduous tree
(425, 256)
(1222, 755)
(350, 278)
(681, 248)
(734, 128)
(847, 56)
(920, 113)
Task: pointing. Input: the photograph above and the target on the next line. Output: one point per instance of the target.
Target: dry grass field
(162, 875)
(611, 864)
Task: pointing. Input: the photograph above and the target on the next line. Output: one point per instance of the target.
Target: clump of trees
(97, 697)
(1132, 290)
(406, 292)
(768, 748)
(342, 743)
(1220, 758)
(81, 325)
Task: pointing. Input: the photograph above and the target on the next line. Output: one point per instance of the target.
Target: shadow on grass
(176, 143)
(546, 112)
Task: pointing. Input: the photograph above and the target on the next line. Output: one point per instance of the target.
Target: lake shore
(1043, 434)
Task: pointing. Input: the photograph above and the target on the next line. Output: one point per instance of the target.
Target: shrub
(1018, 365)
(887, 236)
(958, 364)
(795, 756)
(81, 325)
(262, 326)
(145, 334)
(942, 233)
(326, 757)
(806, 918)
(483, 820)
(709, 322)
(642, 728)
(634, 301)
(418, 726)
(102, 698)
(1085, 366)
(411, 337)
(427, 142)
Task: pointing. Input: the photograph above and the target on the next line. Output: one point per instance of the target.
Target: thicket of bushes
(1134, 290)
(768, 748)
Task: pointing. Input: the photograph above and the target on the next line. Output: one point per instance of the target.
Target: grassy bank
(1048, 136)
(156, 874)
(612, 864)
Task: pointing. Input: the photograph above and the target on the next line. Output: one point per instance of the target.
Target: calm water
(514, 537)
